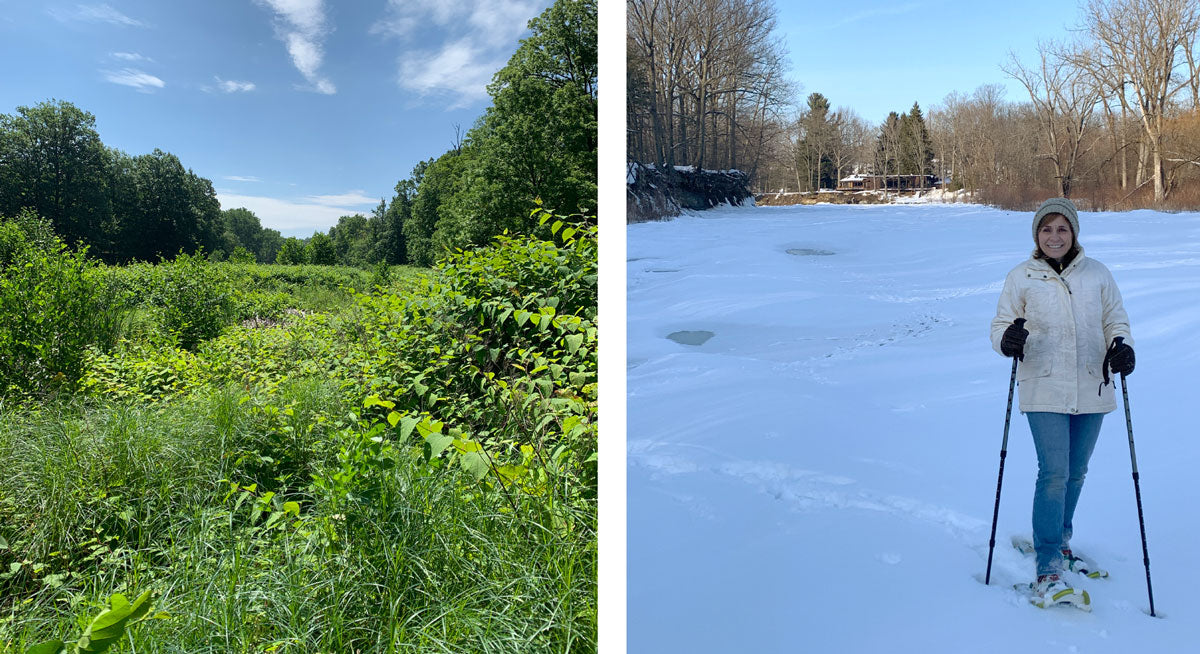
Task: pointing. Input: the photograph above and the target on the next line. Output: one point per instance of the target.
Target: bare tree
(707, 83)
(851, 136)
(1064, 100)
(1139, 44)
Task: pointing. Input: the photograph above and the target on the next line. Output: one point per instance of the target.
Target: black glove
(1119, 357)
(1012, 344)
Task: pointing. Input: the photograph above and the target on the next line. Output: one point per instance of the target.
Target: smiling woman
(1061, 316)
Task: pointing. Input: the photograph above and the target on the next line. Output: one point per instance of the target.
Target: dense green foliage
(411, 468)
(53, 306)
(537, 141)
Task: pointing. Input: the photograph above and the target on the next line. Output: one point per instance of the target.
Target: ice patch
(689, 337)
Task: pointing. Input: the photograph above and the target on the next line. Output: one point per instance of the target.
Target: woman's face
(1055, 237)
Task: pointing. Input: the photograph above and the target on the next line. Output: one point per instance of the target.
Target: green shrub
(191, 297)
(54, 305)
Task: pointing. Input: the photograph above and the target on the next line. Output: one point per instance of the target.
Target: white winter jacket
(1071, 318)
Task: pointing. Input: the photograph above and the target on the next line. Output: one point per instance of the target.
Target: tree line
(705, 83)
(536, 142)
(1112, 113)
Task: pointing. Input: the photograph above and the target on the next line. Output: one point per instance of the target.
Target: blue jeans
(1064, 444)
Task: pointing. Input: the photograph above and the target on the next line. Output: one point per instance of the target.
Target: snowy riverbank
(819, 473)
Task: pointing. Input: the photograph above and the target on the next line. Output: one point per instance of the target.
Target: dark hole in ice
(664, 270)
(699, 337)
(809, 252)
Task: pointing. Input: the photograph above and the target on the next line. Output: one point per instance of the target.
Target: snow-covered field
(818, 475)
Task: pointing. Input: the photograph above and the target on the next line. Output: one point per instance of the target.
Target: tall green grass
(114, 498)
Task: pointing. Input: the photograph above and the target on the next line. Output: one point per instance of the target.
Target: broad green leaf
(426, 427)
(48, 647)
(292, 508)
(512, 473)
(375, 401)
(438, 443)
(574, 341)
(393, 418)
(407, 423)
(141, 606)
(475, 464)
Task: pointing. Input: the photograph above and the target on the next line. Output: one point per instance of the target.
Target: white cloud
(351, 198)
(458, 72)
(300, 24)
(233, 86)
(242, 178)
(291, 218)
(475, 39)
(142, 81)
(130, 56)
(102, 13)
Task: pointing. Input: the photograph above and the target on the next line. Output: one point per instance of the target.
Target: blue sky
(300, 110)
(877, 56)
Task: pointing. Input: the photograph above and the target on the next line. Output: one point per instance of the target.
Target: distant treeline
(536, 141)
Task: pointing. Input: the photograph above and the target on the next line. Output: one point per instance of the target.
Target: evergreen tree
(815, 150)
(916, 147)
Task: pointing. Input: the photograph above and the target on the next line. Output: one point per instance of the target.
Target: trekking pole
(1012, 383)
(1137, 491)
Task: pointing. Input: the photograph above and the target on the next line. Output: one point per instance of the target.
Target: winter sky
(300, 110)
(879, 56)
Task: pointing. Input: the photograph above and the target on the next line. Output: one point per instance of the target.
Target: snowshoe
(1051, 590)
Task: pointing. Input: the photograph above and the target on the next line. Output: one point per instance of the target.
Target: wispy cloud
(130, 57)
(872, 14)
(301, 25)
(460, 71)
(101, 13)
(350, 198)
(242, 178)
(476, 39)
(290, 217)
(232, 86)
(140, 80)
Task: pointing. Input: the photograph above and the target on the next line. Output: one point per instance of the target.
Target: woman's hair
(1037, 250)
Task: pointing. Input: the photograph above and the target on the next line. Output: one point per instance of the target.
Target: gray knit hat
(1057, 205)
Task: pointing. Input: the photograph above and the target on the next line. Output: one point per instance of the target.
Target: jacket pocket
(1032, 369)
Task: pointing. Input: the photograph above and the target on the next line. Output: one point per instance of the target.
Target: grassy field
(310, 459)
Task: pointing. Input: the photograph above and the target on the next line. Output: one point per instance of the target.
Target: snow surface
(819, 474)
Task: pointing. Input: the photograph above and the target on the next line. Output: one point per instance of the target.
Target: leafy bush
(53, 307)
(192, 298)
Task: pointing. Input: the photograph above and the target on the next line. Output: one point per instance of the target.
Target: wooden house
(859, 182)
